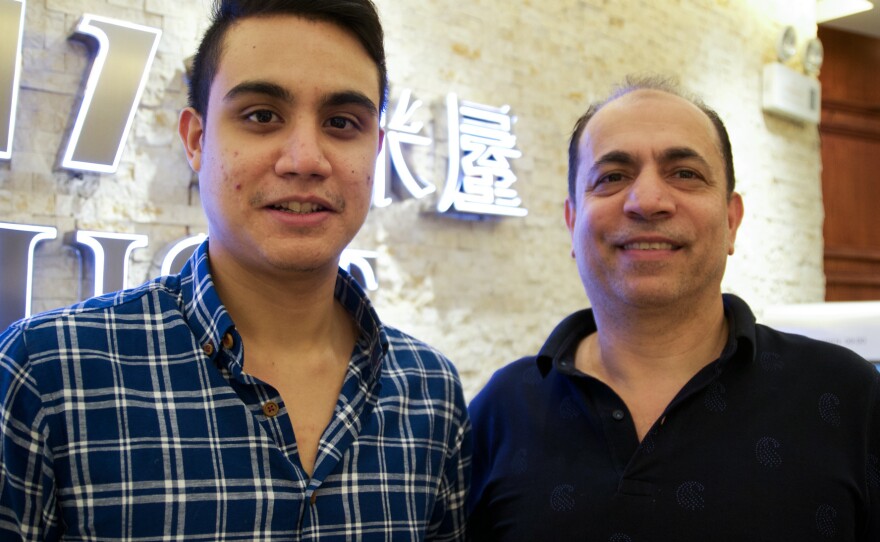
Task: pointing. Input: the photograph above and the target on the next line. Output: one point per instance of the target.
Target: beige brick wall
(485, 292)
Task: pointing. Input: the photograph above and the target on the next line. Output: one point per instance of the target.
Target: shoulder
(816, 370)
(506, 389)
(407, 353)
(44, 331)
(415, 371)
(812, 354)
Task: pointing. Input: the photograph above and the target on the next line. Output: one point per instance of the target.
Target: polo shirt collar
(563, 341)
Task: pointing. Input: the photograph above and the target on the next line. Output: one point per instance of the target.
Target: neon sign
(17, 244)
(122, 59)
(109, 250)
(479, 180)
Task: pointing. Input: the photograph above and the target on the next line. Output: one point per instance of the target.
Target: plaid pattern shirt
(129, 417)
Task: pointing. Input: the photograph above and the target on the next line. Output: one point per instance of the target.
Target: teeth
(297, 207)
(648, 246)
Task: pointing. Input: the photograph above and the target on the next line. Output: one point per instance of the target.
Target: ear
(735, 212)
(191, 130)
(570, 217)
(381, 141)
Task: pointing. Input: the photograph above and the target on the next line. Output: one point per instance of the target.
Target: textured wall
(483, 291)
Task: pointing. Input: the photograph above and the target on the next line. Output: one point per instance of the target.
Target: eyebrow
(276, 91)
(675, 154)
(265, 88)
(613, 157)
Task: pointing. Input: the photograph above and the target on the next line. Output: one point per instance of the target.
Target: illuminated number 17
(123, 53)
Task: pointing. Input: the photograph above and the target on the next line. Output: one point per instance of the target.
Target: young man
(665, 412)
(255, 396)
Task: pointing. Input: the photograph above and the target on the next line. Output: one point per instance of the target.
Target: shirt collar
(373, 339)
(563, 341)
(742, 329)
(209, 321)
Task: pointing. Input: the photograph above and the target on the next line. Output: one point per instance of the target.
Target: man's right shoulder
(507, 384)
(142, 302)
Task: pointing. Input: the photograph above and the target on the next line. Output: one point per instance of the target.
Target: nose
(303, 152)
(649, 197)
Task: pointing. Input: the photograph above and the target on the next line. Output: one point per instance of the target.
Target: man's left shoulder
(811, 354)
(408, 353)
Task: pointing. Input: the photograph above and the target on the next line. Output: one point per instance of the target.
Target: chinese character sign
(481, 146)
(401, 130)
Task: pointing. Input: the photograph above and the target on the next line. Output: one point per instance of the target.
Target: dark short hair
(662, 84)
(356, 16)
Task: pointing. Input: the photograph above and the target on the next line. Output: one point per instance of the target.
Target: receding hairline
(652, 90)
(639, 94)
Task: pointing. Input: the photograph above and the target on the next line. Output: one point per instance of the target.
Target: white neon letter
(360, 260)
(178, 253)
(119, 74)
(11, 31)
(17, 244)
(111, 252)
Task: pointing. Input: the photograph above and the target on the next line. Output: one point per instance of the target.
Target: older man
(665, 412)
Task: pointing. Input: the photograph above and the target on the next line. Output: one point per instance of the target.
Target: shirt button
(618, 415)
(228, 341)
(270, 409)
(208, 348)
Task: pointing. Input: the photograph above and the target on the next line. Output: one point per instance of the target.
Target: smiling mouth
(298, 208)
(649, 246)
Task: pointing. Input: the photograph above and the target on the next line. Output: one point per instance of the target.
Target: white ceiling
(866, 23)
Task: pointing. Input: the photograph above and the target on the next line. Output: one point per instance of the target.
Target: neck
(649, 344)
(293, 311)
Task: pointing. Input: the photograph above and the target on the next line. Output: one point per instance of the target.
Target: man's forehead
(647, 120)
(334, 36)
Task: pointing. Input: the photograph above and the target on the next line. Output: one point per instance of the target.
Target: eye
(686, 174)
(340, 123)
(262, 116)
(609, 178)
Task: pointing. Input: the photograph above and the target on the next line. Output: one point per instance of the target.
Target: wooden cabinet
(850, 135)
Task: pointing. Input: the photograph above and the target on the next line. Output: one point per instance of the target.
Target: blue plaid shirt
(129, 417)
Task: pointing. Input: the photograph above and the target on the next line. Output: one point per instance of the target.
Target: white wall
(484, 292)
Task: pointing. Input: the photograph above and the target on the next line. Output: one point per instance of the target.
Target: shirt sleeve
(450, 509)
(479, 527)
(27, 497)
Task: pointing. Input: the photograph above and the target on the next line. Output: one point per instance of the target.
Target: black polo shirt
(778, 439)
